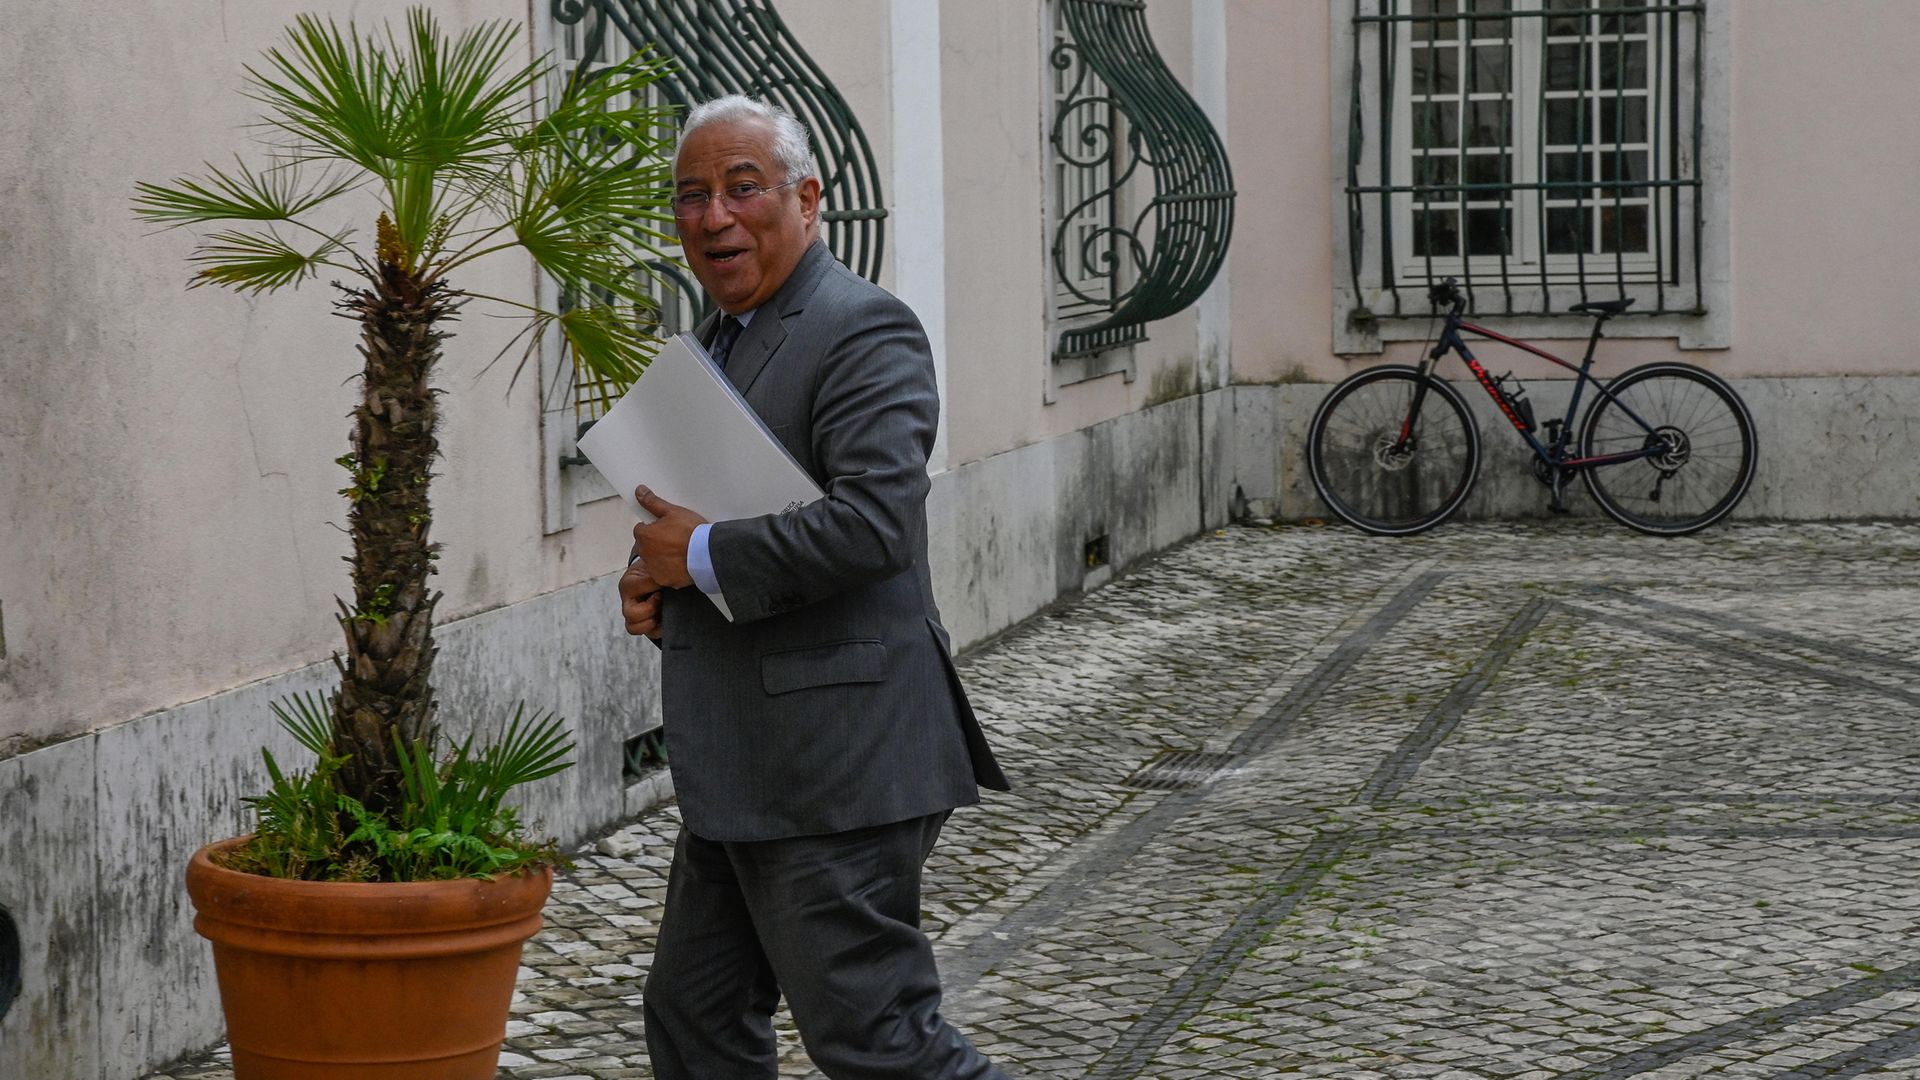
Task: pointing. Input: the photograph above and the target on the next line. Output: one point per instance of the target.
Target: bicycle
(1666, 448)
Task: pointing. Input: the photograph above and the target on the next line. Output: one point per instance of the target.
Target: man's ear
(809, 190)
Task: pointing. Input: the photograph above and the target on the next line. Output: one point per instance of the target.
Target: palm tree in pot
(453, 150)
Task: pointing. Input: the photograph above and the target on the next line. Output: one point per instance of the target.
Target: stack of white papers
(684, 431)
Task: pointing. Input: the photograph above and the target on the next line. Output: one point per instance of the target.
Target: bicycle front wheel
(1389, 459)
(1700, 443)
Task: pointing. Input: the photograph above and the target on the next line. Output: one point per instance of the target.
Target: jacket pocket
(860, 661)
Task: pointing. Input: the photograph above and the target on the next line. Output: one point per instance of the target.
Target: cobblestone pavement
(1500, 801)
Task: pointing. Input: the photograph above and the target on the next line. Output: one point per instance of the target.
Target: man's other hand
(662, 543)
(640, 602)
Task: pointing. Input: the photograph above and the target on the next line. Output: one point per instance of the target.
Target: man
(820, 740)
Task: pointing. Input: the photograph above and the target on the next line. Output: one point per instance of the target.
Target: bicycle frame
(1452, 341)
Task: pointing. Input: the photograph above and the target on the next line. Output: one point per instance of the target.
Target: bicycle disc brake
(1676, 450)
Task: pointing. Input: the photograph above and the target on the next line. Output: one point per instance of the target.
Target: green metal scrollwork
(1162, 260)
(743, 47)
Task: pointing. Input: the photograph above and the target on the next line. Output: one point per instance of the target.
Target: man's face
(742, 258)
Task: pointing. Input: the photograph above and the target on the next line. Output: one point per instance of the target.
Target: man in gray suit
(819, 740)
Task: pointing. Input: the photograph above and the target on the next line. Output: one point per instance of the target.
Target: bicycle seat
(1604, 307)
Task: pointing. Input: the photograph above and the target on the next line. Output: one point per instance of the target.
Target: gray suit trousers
(831, 921)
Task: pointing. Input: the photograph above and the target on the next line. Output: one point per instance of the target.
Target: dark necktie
(723, 340)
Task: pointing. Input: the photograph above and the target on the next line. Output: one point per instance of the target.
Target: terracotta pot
(330, 981)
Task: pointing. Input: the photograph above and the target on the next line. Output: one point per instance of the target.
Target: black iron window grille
(1126, 253)
(1544, 152)
(721, 47)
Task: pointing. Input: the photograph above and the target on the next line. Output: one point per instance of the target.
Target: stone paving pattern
(1502, 801)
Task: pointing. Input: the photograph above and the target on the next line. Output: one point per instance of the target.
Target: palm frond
(412, 108)
(255, 262)
(308, 718)
(462, 103)
(533, 747)
(606, 342)
(240, 194)
(335, 92)
(607, 108)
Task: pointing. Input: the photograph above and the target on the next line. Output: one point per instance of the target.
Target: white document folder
(684, 431)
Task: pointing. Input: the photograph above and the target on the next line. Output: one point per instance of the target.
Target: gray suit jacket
(831, 702)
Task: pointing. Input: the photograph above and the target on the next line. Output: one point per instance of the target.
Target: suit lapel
(768, 329)
(755, 347)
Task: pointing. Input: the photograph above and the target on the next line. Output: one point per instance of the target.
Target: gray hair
(789, 135)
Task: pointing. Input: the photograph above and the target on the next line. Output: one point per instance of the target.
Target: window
(1544, 152)
(1140, 195)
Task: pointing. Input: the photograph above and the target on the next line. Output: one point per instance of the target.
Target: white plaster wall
(167, 486)
(1826, 187)
(996, 253)
(1280, 264)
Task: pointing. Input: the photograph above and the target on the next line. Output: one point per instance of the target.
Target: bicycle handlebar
(1448, 293)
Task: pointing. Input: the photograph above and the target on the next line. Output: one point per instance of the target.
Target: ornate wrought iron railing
(744, 47)
(1123, 109)
(1545, 152)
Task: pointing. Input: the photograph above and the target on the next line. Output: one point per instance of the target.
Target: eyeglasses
(737, 198)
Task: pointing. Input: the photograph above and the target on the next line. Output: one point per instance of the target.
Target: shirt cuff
(700, 561)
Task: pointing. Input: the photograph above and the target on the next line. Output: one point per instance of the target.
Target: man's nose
(714, 215)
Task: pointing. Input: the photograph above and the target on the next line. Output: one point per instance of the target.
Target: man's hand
(640, 602)
(662, 543)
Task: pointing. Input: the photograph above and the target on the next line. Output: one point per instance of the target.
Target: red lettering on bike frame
(1493, 391)
(1481, 373)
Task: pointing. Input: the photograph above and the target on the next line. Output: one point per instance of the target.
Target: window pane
(1490, 123)
(1631, 24)
(1489, 74)
(1623, 119)
(1488, 169)
(1443, 29)
(1436, 232)
(1563, 231)
(1566, 24)
(1566, 169)
(1436, 123)
(1436, 70)
(1623, 228)
(1563, 67)
(1564, 127)
(1488, 28)
(1437, 169)
(1623, 64)
(1487, 231)
(1624, 165)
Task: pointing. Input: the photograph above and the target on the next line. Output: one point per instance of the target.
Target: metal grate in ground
(1177, 770)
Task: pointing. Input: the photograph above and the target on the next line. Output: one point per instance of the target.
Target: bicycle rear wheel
(1374, 479)
(1705, 441)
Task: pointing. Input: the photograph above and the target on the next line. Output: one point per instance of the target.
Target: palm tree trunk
(385, 686)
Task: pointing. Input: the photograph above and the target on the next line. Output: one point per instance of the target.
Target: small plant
(453, 823)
